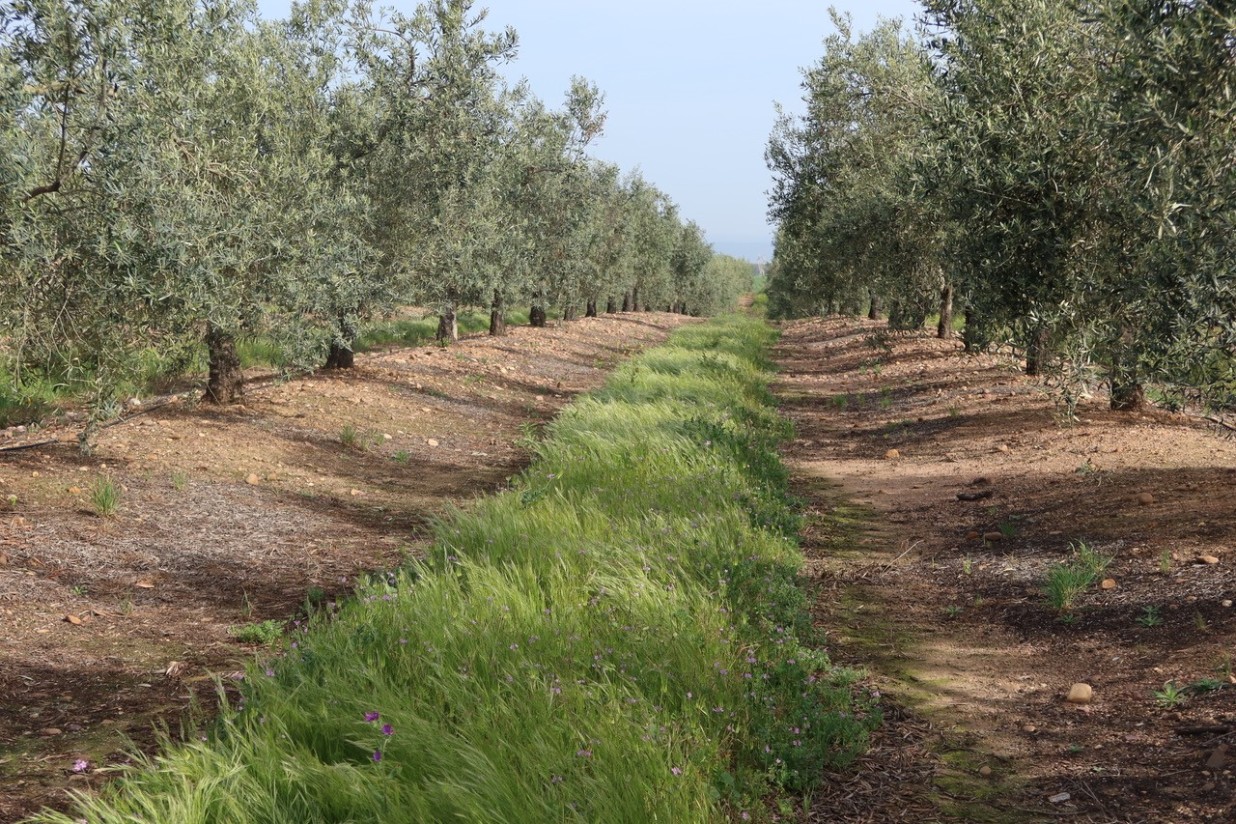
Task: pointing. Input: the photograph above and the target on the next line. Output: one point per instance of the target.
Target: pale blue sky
(689, 86)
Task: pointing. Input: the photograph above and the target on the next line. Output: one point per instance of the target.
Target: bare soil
(113, 627)
(941, 487)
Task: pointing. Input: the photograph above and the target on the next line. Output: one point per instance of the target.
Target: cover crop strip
(620, 637)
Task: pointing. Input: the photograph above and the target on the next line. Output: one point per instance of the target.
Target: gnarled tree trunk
(1128, 393)
(536, 315)
(1127, 397)
(497, 320)
(341, 355)
(970, 335)
(1036, 350)
(944, 329)
(627, 304)
(611, 306)
(225, 383)
(877, 307)
(448, 328)
(590, 311)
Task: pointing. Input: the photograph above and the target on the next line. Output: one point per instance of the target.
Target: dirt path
(111, 626)
(942, 488)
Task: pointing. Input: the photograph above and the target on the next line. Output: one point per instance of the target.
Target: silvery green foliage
(1170, 122)
(181, 170)
(436, 176)
(149, 140)
(1066, 164)
(847, 191)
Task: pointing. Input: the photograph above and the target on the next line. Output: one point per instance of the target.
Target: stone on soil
(1080, 693)
(1145, 499)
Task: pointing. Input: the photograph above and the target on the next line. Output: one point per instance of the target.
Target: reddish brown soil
(111, 626)
(957, 629)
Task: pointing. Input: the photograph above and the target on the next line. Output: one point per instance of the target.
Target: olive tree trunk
(341, 355)
(536, 315)
(877, 307)
(225, 383)
(1037, 350)
(1128, 393)
(448, 327)
(497, 319)
(944, 329)
(970, 336)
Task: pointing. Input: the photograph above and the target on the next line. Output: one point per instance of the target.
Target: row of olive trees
(180, 173)
(1061, 169)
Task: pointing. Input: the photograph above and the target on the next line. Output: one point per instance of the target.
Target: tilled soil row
(942, 491)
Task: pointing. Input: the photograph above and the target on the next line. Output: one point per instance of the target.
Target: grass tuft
(1066, 582)
(261, 632)
(105, 497)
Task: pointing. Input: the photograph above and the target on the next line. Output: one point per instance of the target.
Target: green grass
(1066, 582)
(30, 401)
(262, 632)
(621, 637)
(105, 497)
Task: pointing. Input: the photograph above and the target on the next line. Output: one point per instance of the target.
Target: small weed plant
(1150, 617)
(1172, 695)
(1066, 582)
(620, 637)
(1166, 562)
(265, 633)
(1204, 685)
(105, 497)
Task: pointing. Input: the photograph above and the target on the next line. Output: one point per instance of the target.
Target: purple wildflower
(372, 716)
(387, 729)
